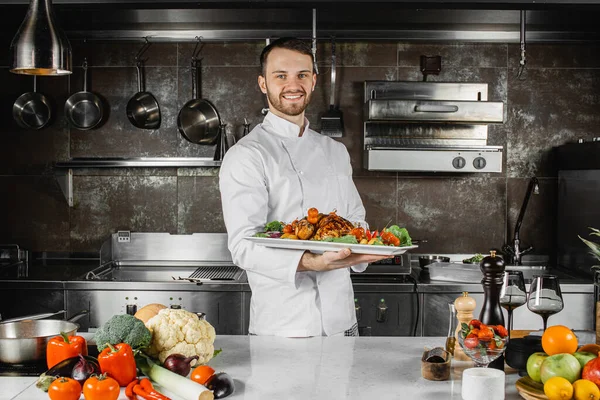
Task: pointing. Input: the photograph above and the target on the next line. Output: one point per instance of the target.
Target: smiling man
(277, 172)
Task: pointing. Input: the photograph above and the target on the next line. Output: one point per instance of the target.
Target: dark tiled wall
(557, 101)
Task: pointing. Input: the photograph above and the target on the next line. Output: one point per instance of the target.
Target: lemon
(558, 388)
(584, 389)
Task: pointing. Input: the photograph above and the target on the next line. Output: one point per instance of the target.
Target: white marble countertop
(316, 368)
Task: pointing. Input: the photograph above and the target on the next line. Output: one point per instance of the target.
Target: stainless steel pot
(142, 109)
(32, 109)
(25, 341)
(198, 121)
(84, 109)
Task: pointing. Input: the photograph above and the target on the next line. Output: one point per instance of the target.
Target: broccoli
(274, 226)
(123, 328)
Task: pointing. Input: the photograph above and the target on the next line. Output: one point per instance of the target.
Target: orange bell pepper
(118, 362)
(62, 347)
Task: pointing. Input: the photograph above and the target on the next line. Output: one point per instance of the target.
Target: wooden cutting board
(530, 390)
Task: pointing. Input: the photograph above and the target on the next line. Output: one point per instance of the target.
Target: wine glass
(545, 298)
(482, 351)
(512, 294)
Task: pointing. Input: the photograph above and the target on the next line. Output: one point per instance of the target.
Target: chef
(277, 172)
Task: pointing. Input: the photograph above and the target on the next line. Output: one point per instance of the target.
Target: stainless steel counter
(411, 304)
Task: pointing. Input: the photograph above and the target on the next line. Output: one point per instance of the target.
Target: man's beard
(289, 109)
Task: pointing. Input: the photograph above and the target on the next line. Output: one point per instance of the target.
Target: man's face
(288, 82)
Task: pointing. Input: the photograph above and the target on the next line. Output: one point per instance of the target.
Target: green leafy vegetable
(349, 239)
(594, 247)
(274, 226)
(476, 259)
(261, 234)
(402, 234)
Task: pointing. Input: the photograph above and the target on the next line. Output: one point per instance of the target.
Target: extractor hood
(430, 127)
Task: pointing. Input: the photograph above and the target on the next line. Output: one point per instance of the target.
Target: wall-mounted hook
(198, 48)
(140, 53)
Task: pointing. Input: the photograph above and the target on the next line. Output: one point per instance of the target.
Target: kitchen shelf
(63, 171)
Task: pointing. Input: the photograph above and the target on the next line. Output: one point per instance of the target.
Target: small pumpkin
(148, 311)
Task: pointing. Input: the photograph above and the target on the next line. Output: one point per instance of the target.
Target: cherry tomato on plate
(101, 387)
(64, 389)
(202, 374)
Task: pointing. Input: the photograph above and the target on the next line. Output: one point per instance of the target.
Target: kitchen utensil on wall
(83, 109)
(331, 122)
(198, 121)
(222, 144)
(32, 109)
(24, 342)
(142, 109)
(246, 127)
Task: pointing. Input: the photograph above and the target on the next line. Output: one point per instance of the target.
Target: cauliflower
(181, 332)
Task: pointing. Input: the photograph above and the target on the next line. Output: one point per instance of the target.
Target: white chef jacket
(273, 174)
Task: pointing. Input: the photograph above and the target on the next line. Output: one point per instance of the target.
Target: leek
(180, 385)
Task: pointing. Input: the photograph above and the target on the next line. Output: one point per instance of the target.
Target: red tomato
(201, 374)
(471, 342)
(101, 387)
(64, 389)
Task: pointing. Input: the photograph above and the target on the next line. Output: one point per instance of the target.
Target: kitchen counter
(316, 368)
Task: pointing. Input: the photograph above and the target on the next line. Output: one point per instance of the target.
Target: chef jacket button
(301, 172)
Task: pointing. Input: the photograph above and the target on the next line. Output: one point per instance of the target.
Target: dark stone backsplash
(558, 101)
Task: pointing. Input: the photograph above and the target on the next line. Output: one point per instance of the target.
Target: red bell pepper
(62, 347)
(118, 362)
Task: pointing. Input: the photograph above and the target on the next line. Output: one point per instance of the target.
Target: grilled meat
(332, 225)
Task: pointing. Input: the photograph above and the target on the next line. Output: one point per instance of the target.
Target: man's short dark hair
(289, 43)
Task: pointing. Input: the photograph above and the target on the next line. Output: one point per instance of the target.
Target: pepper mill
(492, 267)
(464, 306)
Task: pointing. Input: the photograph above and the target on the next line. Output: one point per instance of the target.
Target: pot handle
(79, 315)
(33, 316)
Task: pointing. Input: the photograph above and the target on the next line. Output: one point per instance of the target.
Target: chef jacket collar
(284, 127)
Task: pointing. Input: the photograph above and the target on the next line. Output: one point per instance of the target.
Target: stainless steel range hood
(430, 127)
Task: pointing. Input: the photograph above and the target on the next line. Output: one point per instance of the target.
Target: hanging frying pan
(32, 109)
(84, 109)
(198, 121)
(142, 109)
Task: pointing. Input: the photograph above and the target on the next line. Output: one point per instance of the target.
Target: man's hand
(335, 259)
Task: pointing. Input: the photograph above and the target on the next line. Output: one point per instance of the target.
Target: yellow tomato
(584, 389)
(558, 388)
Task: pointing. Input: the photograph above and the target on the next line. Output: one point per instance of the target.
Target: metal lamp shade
(40, 47)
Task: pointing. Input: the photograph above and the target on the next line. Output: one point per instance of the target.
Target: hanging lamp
(40, 47)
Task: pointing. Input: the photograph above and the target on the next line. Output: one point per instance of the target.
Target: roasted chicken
(318, 226)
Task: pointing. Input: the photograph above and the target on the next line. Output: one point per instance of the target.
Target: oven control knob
(479, 163)
(381, 311)
(357, 310)
(131, 309)
(459, 162)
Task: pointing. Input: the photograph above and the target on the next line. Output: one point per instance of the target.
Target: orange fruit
(559, 339)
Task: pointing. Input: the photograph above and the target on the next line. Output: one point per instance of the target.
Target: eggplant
(65, 368)
(221, 384)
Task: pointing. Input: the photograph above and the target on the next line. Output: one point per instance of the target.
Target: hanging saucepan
(84, 109)
(24, 341)
(198, 121)
(142, 109)
(32, 109)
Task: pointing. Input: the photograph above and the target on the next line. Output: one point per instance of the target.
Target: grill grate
(216, 273)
